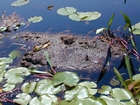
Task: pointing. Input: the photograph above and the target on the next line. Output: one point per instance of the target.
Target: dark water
(55, 23)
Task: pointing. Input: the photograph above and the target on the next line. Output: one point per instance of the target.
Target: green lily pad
(35, 19)
(22, 99)
(90, 86)
(45, 86)
(15, 75)
(79, 92)
(68, 78)
(5, 60)
(8, 87)
(74, 17)
(105, 90)
(66, 11)
(136, 29)
(44, 100)
(28, 87)
(111, 101)
(136, 77)
(123, 95)
(2, 75)
(19, 3)
(14, 54)
(85, 16)
(90, 101)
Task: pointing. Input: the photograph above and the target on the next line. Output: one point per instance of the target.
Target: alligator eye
(86, 58)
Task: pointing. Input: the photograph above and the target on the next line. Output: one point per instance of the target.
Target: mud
(66, 51)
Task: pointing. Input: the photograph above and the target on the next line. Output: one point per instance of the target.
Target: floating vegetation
(35, 19)
(66, 11)
(78, 16)
(136, 28)
(20, 3)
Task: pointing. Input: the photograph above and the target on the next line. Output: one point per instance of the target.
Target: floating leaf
(8, 87)
(46, 87)
(84, 16)
(2, 75)
(35, 19)
(114, 82)
(5, 60)
(68, 78)
(78, 92)
(136, 77)
(90, 86)
(90, 101)
(136, 28)
(44, 100)
(66, 11)
(123, 95)
(14, 54)
(19, 3)
(15, 75)
(28, 87)
(105, 90)
(111, 101)
(22, 99)
(100, 30)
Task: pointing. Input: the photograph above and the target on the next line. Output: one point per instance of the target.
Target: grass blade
(127, 20)
(48, 59)
(110, 21)
(120, 78)
(128, 67)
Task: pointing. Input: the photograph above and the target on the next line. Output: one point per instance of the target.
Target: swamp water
(64, 28)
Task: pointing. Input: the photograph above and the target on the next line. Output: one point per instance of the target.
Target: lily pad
(46, 87)
(66, 11)
(5, 60)
(79, 92)
(14, 54)
(15, 75)
(8, 87)
(123, 95)
(90, 86)
(68, 78)
(19, 3)
(28, 87)
(35, 19)
(44, 99)
(136, 28)
(85, 16)
(22, 99)
(105, 90)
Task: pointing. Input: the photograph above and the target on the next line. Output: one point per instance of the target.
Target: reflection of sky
(60, 23)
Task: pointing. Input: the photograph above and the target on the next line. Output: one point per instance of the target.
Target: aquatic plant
(78, 16)
(35, 19)
(68, 84)
(20, 3)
